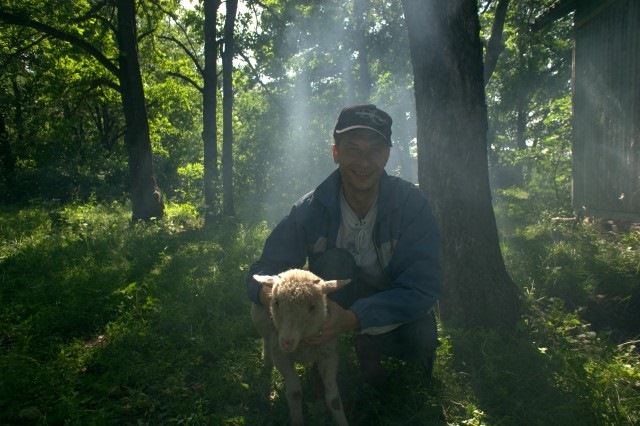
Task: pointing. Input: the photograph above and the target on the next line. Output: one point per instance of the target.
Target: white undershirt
(356, 236)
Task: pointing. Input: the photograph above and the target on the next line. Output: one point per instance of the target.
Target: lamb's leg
(262, 323)
(293, 388)
(266, 353)
(328, 369)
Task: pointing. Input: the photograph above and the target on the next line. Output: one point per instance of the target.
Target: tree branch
(91, 13)
(186, 51)
(74, 40)
(495, 46)
(256, 73)
(183, 30)
(187, 79)
(270, 9)
(21, 50)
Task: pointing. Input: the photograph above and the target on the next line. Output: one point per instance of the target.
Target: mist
(321, 76)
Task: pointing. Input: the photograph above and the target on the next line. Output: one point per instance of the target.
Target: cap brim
(346, 129)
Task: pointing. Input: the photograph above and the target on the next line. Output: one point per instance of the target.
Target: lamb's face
(298, 304)
(298, 309)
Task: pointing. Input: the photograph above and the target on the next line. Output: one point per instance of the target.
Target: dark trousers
(414, 341)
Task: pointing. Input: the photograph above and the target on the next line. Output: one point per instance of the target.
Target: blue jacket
(405, 236)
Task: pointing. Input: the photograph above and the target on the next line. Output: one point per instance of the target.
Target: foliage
(298, 63)
(62, 106)
(529, 104)
(105, 322)
(191, 181)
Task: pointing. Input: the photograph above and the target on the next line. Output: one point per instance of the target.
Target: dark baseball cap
(354, 117)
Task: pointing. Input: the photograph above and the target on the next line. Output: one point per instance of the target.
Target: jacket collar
(328, 193)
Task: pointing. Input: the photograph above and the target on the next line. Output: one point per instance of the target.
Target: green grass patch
(103, 322)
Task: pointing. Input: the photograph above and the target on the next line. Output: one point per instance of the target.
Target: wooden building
(606, 105)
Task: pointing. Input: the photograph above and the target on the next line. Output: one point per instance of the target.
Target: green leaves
(528, 100)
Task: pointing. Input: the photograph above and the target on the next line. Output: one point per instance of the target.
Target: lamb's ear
(268, 280)
(333, 285)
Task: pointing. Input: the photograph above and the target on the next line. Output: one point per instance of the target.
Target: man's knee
(335, 264)
(412, 341)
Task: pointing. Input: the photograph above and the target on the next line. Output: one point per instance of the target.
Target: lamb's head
(298, 304)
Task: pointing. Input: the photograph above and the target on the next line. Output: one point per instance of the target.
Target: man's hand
(338, 321)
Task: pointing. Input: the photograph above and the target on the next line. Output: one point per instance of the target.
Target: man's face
(361, 156)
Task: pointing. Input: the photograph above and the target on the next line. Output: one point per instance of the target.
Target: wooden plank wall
(606, 103)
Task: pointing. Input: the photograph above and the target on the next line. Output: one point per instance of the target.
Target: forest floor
(103, 323)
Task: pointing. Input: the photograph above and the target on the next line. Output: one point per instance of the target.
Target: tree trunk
(7, 161)
(521, 172)
(227, 108)
(209, 107)
(146, 199)
(360, 11)
(452, 161)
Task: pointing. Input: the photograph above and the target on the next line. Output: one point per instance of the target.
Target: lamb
(298, 309)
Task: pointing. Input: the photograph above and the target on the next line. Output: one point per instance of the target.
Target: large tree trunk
(452, 161)
(146, 199)
(209, 107)
(227, 108)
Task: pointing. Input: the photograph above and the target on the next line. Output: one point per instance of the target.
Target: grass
(103, 322)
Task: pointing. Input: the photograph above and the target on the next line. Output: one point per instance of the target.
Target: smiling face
(361, 156)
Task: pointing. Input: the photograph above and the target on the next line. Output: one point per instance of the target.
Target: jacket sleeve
(284, 249)
(414, 271)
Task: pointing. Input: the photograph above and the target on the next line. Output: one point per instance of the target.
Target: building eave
(558, 9)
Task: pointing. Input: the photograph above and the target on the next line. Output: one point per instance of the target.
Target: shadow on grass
(517, 383)
(181, 354)
(407, 399)
(117, 325)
